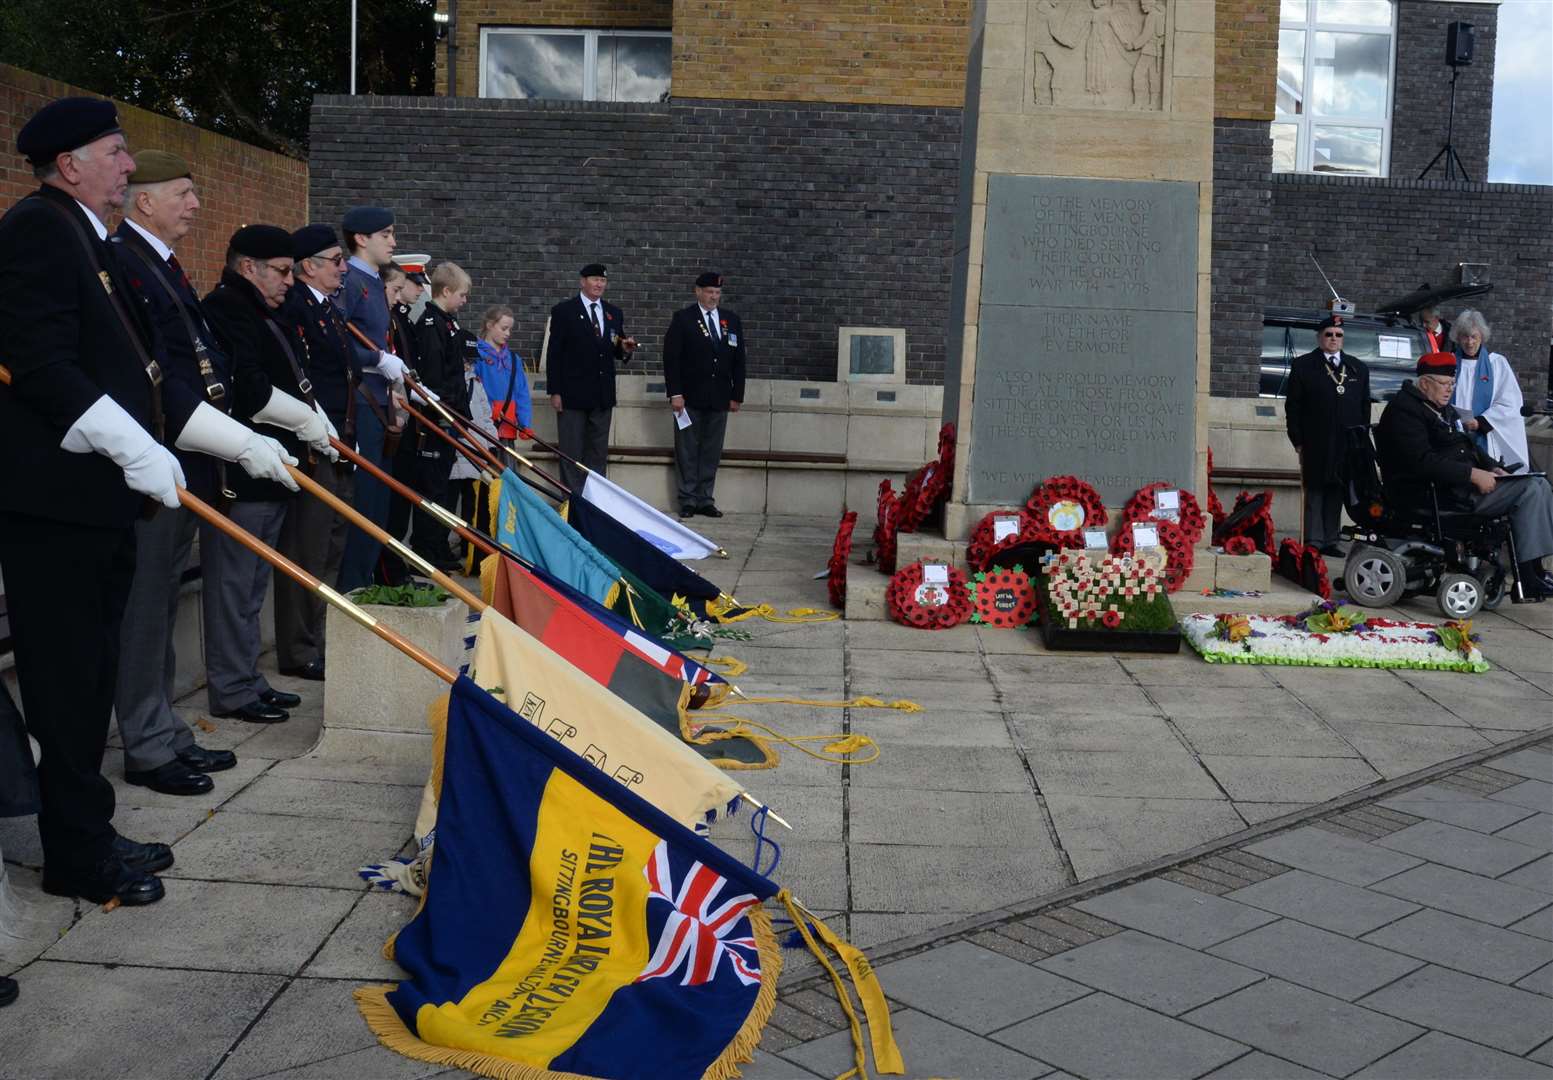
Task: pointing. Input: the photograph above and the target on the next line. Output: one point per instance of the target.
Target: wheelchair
(1466, 561)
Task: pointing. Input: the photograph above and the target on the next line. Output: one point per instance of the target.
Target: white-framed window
(575, 65)
(1336, 76)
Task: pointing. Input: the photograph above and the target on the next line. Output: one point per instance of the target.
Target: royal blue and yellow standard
(569, 927)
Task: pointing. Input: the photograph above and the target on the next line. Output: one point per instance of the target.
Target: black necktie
(172, 261)
(598, 325)
(711, 327)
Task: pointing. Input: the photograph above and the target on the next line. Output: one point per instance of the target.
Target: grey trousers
(584, 435)
(697, 450)
(313, 537)
(1323, 513)
(235, 580)
(143, 697)
(1529, 504)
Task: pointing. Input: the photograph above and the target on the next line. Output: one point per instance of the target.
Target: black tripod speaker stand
(1448, 151)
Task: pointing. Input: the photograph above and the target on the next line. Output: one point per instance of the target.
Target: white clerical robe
(1507, 440)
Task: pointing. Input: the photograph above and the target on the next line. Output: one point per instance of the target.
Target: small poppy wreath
(927, 607)
(928, 488)
(1141, 508)
(1056, 490)
(1178, 551)
(1216, 509)
(1239, 545)
(884, 528)
(1003, 598)
(840, 552)
(983, 546)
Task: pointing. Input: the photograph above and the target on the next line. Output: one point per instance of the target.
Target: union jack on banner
(702, 924)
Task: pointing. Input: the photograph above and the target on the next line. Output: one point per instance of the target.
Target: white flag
(654, 526)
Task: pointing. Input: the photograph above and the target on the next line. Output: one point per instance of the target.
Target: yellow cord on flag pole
(725, 609)
(901, 704)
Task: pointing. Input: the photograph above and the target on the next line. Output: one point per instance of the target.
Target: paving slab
(1285, 731)
(378, 1062)
(1464, 849)
(962, 728)
(1259, 1066)
(870, 928)
(1323, 902)
(932, 817)
(1257, 812)
(975, 988)
(1105, 833)
(915, 768)
(1161, 774)
(1496, 902)
(312, 1022)
(1105, 1038)
(1465, 944)
(1310, 1029)
(1317, 959)
(281, 850)
(1181, 670)
(930, 1048)
(911, 877)
(1333, 856)
(1136, 725)
(1437, 1056)
(1175, 913)
(1535, 831)
(770, 1067)
(1482, 1011)
(1453, 806)
(136, 1016)
(1150, 971)
(1540, 981)
(1536, 875)
(1538, 925)
(217, 925)
(354, 950)
(815, 871)
(1011, 671)
(1534, 762)
(1289, 779)
(342, 800)
(1399, 749)
(1537, 794)
(227, 783)
(908, 664)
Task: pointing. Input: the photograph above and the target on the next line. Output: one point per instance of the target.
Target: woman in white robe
(1487, 392)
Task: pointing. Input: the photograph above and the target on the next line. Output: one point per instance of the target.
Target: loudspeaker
(1459, 40)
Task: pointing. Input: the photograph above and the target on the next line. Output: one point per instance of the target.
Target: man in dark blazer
(587, 338)
(78, 422)
(703, 367)
(1328, 393)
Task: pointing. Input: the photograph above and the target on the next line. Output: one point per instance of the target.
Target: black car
(1388, 341)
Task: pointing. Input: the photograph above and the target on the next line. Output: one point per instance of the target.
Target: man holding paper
(703, 367)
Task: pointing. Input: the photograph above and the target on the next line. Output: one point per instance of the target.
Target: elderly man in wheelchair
(1445, 512)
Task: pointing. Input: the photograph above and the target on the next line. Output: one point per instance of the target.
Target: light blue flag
(526, 524)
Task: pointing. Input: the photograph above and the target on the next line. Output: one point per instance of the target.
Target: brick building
(810, 151)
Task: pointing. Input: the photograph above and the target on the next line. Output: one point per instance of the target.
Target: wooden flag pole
(469, 428)
(471, 451)
(382, 536)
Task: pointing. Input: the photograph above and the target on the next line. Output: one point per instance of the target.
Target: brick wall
(1242, 235)
(819, 215)
(1245, 58)
(473, 14)
(1382, 238)
(1423, 90)
(238, 184)
(897, 52)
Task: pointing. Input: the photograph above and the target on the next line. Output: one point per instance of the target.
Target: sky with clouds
(1521, 149)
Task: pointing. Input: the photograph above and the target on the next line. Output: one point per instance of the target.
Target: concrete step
(928, 547)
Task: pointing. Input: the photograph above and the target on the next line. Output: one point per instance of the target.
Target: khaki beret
(155, 166)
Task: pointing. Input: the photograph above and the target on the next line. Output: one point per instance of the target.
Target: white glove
(327, 448)
(424, 394)
(210, 431)
(390, 366)
(309, 424)
(149, 468)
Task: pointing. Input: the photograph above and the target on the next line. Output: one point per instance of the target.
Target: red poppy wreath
(1003, 598)
(927, 605)
(1143, 503)
(1068, 506)
(840, 552)
(884, 528)
(1178, 551)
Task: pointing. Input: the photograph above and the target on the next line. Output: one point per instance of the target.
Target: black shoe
(1334, 550)
(256, 713)
(143, 858)
(203, 760)
(710, 511)
(173, 778)
(687, 512)
(279, 699)
(313, 670)
(8, 991)
(109, 879)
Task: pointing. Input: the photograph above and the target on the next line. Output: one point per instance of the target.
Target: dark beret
(1437, 363)
(367, 219)
(593, 270)
(65, 125)
(311, 239)
(262, 242)
(710, 280)
(1329, 321)
(155, 166)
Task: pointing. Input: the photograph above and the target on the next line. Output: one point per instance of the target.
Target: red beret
(1437, 363)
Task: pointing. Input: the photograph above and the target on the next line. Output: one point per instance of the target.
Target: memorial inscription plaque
(1086, 356)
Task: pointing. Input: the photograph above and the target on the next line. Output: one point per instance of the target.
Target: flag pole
(382, 536)
(478, 457)
(468, 427)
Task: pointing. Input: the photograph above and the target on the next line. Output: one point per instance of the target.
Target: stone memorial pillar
(1078, 337)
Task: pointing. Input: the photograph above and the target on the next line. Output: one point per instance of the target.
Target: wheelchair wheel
(1495, 589)
(1460, 596)
(1375, 577)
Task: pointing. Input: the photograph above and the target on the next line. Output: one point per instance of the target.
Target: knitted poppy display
(935, 606)
(884, 528)
(1142, 505)
(1004, 598)
(1216, 509)
(1067, 505)
(1239, 545)
(840, 552)
(1178, 551)
(984, 546)
(1252, 517)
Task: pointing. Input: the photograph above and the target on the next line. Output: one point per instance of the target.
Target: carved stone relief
(1098, 54)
